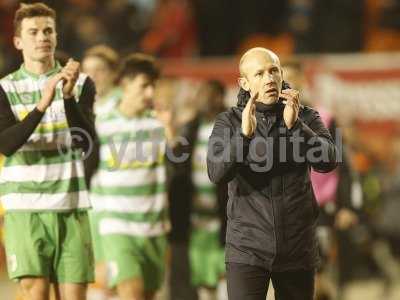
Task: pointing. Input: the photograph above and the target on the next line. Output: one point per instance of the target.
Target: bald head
(261, 73)
(255, 54)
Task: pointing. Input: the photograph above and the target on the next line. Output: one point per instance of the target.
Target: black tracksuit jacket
(271, 209)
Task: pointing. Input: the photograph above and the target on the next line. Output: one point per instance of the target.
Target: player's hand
(249, 122)
(71, 73)
(292, 105)
(49, 92)
(165, 115)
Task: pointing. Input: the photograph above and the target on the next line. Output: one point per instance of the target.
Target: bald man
(264, 148)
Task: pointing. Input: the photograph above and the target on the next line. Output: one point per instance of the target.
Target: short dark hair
(105, 53)
(139, 63)
(25, 11)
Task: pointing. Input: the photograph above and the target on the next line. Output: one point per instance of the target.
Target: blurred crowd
(186, 28)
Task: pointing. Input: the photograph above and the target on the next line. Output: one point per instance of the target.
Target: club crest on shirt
(112, 270)
(26, 98)
(12, 263)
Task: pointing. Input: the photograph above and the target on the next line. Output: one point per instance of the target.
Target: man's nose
(42, 36)
(268, 78)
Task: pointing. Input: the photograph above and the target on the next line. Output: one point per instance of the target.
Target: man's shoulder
(6, 78)
(308, 113)
(15, 81)
(230, 114)
(13, 76)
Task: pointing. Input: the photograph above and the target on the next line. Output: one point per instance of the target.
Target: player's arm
(80, 115)
(13, 133)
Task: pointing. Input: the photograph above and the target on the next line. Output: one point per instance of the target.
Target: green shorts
(94, 217)
(55, 245)
(207, 258)
(129, 257)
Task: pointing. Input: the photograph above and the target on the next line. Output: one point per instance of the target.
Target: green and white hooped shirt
(107, 103)
(205, 205)
(130, 182)
(45, 174)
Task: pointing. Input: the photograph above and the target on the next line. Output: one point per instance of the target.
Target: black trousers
(246, 282)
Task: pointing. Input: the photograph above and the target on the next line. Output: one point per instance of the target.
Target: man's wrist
(247, 136)
(296, 125)
(41, 108)
(68, 96)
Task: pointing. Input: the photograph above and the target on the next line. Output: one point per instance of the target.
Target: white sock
(206, 294)
(222, 290)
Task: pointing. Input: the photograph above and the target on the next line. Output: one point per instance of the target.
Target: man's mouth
(45, 47)
(271, 90)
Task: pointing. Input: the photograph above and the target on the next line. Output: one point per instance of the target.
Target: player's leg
(154, 253)
(34, 288)
(139, 275)
(74, 267)
(99, 289)
(71, 291)
(207, 263)
(131, 289)
(29, 251)
(124, 260)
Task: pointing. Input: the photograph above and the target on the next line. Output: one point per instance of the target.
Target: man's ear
(243, 83)
(17, 42)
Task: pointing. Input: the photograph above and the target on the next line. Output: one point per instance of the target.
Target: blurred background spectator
(187, 28)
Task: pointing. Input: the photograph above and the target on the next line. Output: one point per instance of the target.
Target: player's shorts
(130, 257)
(207, 258)
(94, 217)
(55, 245)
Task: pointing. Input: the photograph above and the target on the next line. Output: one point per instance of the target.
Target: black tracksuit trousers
(246, 282)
